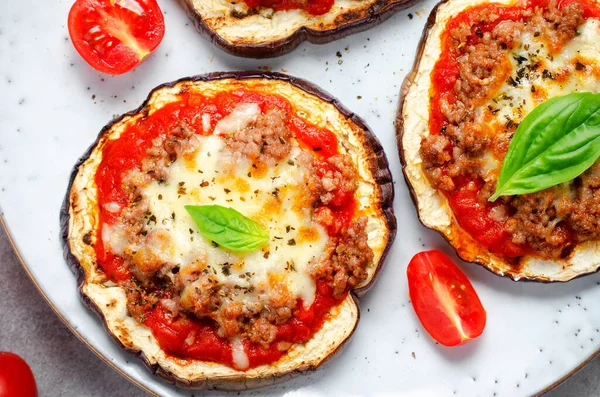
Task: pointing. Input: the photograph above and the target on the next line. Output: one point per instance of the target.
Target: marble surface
(63, 366)
(53, 105)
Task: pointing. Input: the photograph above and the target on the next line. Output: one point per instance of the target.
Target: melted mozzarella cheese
(114, 238)
(243, 115)
(556, 74)
(206, 123)
(539, 76)
(274, 200)
(489, 165)
(240, 358)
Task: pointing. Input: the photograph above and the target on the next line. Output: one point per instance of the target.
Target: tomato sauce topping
(471, 215)
(188, 336)
(192, 338)
(314, 7)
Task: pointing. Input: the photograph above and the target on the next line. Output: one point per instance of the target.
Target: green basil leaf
(227, 227)
(555, 143)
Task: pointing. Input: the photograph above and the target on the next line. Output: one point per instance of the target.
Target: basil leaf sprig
(555, 143)
(227, 227)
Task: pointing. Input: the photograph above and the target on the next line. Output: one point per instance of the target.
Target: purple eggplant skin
(354, 21)
(378, 164)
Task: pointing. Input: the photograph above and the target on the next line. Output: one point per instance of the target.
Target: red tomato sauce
(314, 7)
(471, 215)
(188, 336)
(299, 329)
(475, 219)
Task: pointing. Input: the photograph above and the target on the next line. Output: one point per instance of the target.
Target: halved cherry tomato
(444, 299)
(16, 378)
(114, 36)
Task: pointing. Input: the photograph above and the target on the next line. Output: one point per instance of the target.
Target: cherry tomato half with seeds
(114, 36)
(16, 378)
(444, 299)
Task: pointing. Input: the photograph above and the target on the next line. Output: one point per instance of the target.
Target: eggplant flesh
(262, 32)
(79, 227)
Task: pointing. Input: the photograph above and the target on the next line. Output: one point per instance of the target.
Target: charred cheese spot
(241, 186)
(190, 159)
(307, 234)
(302, 200)
(87, 238)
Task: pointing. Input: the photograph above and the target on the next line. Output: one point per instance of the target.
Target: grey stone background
(63, 366)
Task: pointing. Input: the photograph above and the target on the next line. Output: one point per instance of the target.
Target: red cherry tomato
(16, 378)
(444, 299)
(114, 36)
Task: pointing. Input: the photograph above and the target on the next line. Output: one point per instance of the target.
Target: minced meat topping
(239, 308)
(503, 73)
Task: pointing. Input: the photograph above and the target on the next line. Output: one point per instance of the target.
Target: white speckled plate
(53, 105)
